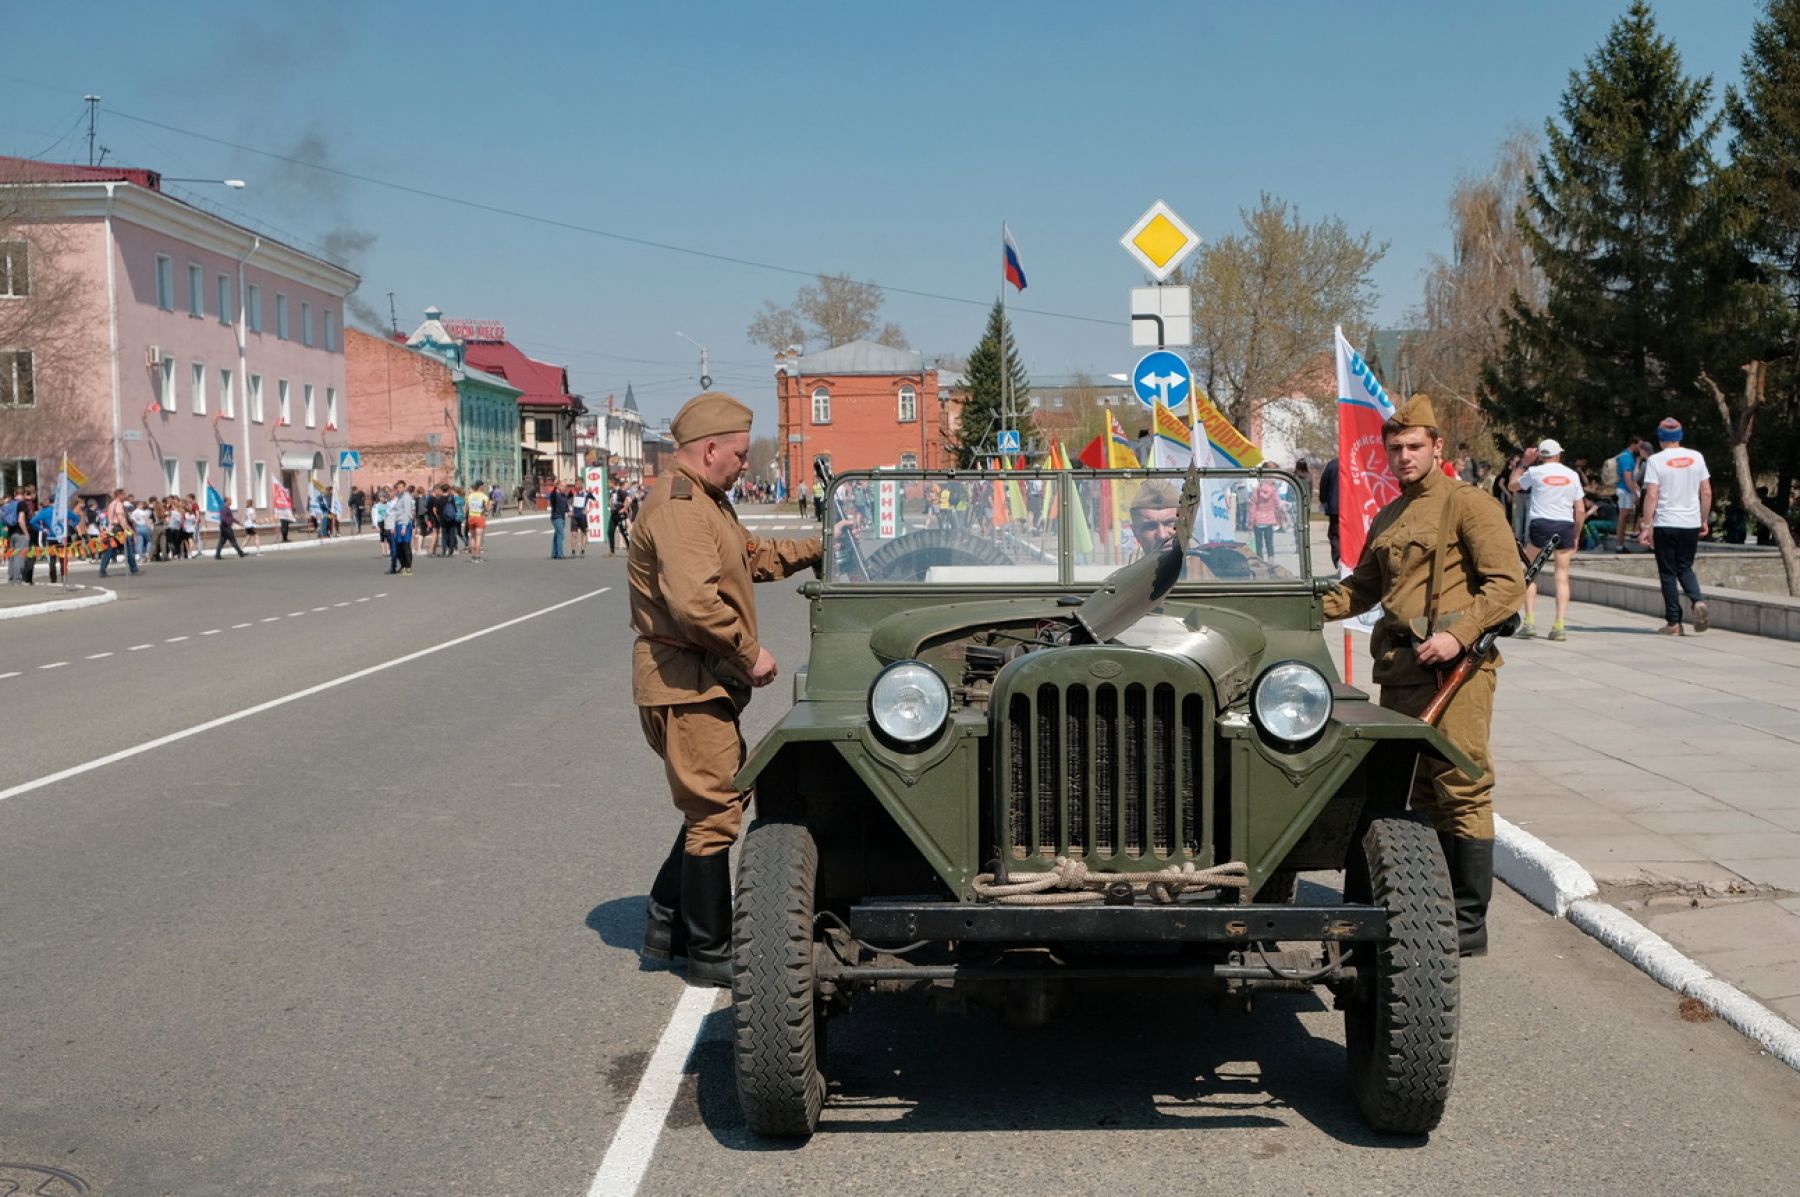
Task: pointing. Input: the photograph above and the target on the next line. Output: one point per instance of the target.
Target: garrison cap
(1415, 413)
(1155, 495)
(711, 413)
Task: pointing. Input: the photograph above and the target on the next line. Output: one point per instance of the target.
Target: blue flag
(214, 500)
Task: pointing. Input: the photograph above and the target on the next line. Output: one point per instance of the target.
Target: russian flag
(1015, 273)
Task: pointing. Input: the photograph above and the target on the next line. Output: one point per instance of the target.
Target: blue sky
(884, 141)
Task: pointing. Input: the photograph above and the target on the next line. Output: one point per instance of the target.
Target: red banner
(1365, 483)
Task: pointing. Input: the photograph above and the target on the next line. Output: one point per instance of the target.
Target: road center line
(272, 619)
(321, 608)
(628, 1156)
(212, 631)
(343, 604)
(53, 665)
(175, 639)
(138, 648)
(236, 626)
(4, 676)
(224, 720)
(98, 656)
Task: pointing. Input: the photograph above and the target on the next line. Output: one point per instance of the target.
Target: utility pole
(93, 103)
(705, 360)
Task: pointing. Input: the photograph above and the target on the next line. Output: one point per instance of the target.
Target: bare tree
(1738, 430)
(762, 456)
(51, 329)
(1266, 298)
(1468, 293)
(833, 311)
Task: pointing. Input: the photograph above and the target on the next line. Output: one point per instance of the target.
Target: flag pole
(1005, 373)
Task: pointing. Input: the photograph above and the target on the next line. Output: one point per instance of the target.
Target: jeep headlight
(909, 701)
(1291, 702)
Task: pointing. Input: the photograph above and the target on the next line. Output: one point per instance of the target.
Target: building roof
(540, 383)
(29, 170)
(630, 403)
(859, 357)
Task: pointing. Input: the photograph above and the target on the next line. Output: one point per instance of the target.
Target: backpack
(9, 515)
(1609, 473)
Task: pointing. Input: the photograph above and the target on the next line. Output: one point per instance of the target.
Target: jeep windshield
(1067, 529)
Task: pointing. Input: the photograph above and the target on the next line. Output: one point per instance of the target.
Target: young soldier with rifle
(1442, 562)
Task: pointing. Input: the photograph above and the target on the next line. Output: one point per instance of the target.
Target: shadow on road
(620, 924)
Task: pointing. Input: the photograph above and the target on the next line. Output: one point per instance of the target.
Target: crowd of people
(141, 531)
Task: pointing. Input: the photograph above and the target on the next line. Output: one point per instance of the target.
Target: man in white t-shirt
(1677, 506)
(1558, 509)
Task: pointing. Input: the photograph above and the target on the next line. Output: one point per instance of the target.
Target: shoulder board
(682, 487)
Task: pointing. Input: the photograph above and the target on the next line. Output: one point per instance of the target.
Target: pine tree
(995, 359)
(1765, 177)
(1626, 221)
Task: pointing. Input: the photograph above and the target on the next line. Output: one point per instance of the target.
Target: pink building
(187, 351)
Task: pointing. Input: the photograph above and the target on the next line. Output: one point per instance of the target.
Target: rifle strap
(1436, 590)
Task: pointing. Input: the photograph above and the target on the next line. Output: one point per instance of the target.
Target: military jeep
(1070, 729)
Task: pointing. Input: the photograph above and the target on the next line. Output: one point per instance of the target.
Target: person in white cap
(1557, 509)
(1677, 503)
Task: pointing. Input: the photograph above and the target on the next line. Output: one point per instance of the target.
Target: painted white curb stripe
(628, 1156)
(1558, 884)
(72, 604)
(185, 733)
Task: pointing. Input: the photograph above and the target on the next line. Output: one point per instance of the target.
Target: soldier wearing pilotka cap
(691, 567)
(1442, 562)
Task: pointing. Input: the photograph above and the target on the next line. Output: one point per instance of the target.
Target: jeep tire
(1400, 1019)
(775, 1009)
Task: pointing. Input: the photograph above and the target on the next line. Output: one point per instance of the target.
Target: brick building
(421, 415)
(860, 406)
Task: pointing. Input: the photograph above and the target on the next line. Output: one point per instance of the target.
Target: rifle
(1483, 648)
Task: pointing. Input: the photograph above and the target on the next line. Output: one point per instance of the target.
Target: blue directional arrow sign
(1162, 375)
(1008, 439)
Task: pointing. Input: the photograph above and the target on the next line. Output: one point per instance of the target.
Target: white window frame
(226, 315)
(908, 404)
(197, 387)
(14, 375)
(284, 402)
(253, 307)
(306, 324)
(821, 403)
(309, 404)
(227, 398)
(259, 478)
(331, 341)
(171, 476)
(281, 317)
(196, 290)
(202, 479)
(169, 399)
(165, 282)
(15, 269)
(256, 398)
(331, 412)
(229, 489)
(909, 461)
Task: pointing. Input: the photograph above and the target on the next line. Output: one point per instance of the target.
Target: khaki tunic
(1483, 582)
(692, 568)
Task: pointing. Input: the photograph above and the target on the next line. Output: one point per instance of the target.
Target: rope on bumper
(1072, 883)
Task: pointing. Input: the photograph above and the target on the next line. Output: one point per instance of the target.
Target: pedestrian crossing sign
(349, 459)
(1008, 440)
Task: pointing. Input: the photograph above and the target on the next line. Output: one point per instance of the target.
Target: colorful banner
(1172, 440)
(280, 500)
(1365, 484)
(1229, 446)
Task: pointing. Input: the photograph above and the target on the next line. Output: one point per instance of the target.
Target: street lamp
(705, 360)
(234, 184)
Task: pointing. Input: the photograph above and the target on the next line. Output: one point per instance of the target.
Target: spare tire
(908, 558)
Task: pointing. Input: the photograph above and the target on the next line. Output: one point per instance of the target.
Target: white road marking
(628, 1156)
(343, 604)
(138, 648)
(4, 676)
(98, 656)
(236, 626)
(321, 608)
(224, 720)
(295, 614)
(212, 631)
(383, 594)
(53, 665)
(175, 639)
(363, 599)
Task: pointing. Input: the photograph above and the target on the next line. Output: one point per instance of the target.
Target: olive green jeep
(1076, 729)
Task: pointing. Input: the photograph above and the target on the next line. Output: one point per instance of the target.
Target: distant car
(1053, 744)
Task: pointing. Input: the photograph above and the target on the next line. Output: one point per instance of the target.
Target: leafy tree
(1266, 298)
(995, 383)
(1626, 222)
(834, 311)
(1765, 179)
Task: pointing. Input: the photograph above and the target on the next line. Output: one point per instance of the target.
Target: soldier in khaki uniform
(1442, 562)
(691, 567)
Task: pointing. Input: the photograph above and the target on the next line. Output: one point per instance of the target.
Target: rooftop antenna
(93, 103)
(393, 316)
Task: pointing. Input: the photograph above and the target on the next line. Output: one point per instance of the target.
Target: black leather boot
(706, 910)
(1472, 885)
(664, 935)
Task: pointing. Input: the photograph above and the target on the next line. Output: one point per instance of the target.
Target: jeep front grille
(1103, 771)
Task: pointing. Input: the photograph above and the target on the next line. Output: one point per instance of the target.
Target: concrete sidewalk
(1670, 769)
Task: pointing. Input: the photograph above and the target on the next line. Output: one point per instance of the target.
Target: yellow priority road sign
(1160, 240)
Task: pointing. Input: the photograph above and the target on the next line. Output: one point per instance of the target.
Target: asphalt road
(380, 939)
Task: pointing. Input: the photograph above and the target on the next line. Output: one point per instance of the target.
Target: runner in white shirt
(1558, 509)
(1677, 504)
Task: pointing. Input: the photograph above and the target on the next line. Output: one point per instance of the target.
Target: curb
(71, 604)
(1553, 881)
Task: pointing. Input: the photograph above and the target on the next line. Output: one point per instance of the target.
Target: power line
(570, 226)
